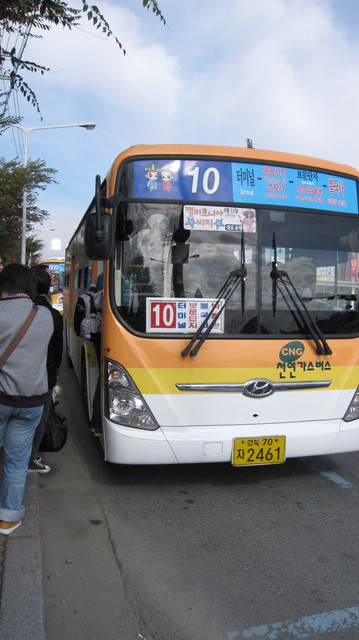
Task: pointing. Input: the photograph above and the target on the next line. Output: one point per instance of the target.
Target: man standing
(23, 387)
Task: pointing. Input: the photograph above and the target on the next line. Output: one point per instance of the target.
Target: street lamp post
(26, 130)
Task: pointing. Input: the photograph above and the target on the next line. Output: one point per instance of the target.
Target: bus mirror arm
(104, 203)
(99, 230)
(113, 201)
(98, 204)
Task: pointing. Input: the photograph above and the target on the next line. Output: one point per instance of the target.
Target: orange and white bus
(230, 316)
(57, 268)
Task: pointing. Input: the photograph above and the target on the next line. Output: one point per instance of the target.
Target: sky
(284, 73)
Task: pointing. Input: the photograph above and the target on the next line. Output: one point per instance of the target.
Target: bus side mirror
(98, 236)
(98, 230)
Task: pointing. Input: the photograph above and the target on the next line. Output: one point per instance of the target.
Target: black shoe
(36, 465)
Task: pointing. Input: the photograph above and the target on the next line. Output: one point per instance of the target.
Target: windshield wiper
(283, 283)
(225, 293)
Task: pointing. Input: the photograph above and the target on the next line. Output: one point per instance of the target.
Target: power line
(6, 78)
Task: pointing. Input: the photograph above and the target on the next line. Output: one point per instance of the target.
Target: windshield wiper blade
(283, 283)
(225, 293)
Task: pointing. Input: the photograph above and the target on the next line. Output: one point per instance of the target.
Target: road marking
(330, 475)
(304, 627)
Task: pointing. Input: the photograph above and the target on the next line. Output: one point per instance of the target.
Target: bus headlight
(124, 404)
(352, 412)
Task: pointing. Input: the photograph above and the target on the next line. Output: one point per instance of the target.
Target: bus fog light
(124, 403)
(352, 412)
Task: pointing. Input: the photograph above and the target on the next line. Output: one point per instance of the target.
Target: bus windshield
(169, 268)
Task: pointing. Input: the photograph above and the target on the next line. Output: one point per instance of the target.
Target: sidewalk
(21, 588)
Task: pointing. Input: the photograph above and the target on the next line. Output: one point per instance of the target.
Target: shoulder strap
(19, 336)
(91, 297)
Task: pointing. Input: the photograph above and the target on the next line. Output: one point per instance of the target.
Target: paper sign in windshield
(202, 218)
(181, 315)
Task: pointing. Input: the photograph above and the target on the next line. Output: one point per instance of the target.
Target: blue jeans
(17, 428)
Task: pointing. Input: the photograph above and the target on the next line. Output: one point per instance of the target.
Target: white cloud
(143, 84)
(281, 73)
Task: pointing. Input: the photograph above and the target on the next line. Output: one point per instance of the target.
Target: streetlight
(26, 130)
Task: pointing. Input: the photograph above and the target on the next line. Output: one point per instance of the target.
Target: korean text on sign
(181, 315)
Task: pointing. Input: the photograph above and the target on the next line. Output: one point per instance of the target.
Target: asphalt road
(203, 552)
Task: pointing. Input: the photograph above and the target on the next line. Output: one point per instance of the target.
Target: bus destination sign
(245, 183)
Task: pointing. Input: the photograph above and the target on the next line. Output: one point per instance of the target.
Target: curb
(22, 610)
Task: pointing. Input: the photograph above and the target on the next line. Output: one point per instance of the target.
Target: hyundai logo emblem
(258, 388)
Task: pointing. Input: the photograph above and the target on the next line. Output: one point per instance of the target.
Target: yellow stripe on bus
(154, 381)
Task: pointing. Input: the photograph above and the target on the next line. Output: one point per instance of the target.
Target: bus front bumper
(193, 444)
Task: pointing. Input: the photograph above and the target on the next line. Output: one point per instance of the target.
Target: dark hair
(16, 278)
(41, 279)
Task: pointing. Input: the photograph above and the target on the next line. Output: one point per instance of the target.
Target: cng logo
(291, 351)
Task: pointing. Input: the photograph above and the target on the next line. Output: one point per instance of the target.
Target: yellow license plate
(264, 450)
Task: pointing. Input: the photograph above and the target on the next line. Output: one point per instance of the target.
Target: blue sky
(282, 72)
